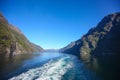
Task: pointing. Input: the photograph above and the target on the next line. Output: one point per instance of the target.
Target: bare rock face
(102, 40)
(12, 40)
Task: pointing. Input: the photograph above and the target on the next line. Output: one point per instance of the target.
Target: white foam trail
(53, 70)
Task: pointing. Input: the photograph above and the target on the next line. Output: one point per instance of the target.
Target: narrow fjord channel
(47, 66)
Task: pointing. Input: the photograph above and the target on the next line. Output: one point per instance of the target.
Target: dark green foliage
(13, 41)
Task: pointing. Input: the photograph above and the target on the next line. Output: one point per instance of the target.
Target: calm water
(49, 66)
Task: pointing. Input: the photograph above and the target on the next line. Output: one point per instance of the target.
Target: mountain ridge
(88, 44)
(13, 41)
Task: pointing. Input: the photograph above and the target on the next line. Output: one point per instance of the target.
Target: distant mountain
(13, 41)
(102, 40)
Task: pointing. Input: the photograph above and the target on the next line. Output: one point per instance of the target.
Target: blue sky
(56, 23)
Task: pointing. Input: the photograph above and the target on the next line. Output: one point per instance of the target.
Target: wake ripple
(52, 70)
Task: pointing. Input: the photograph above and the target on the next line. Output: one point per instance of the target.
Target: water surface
(47, 66)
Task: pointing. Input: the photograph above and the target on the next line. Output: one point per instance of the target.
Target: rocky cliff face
(102, 40)
(100, 47)
(12, 40)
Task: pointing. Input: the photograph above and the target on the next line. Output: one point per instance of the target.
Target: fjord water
(46, 66)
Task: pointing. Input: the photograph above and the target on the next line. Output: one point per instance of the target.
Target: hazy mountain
(102, 40)
(13, 41)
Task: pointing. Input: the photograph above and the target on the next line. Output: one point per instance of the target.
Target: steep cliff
(13, 41)
(100, 47)
(102, 40)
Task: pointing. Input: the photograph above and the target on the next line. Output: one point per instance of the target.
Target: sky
(53, 24)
